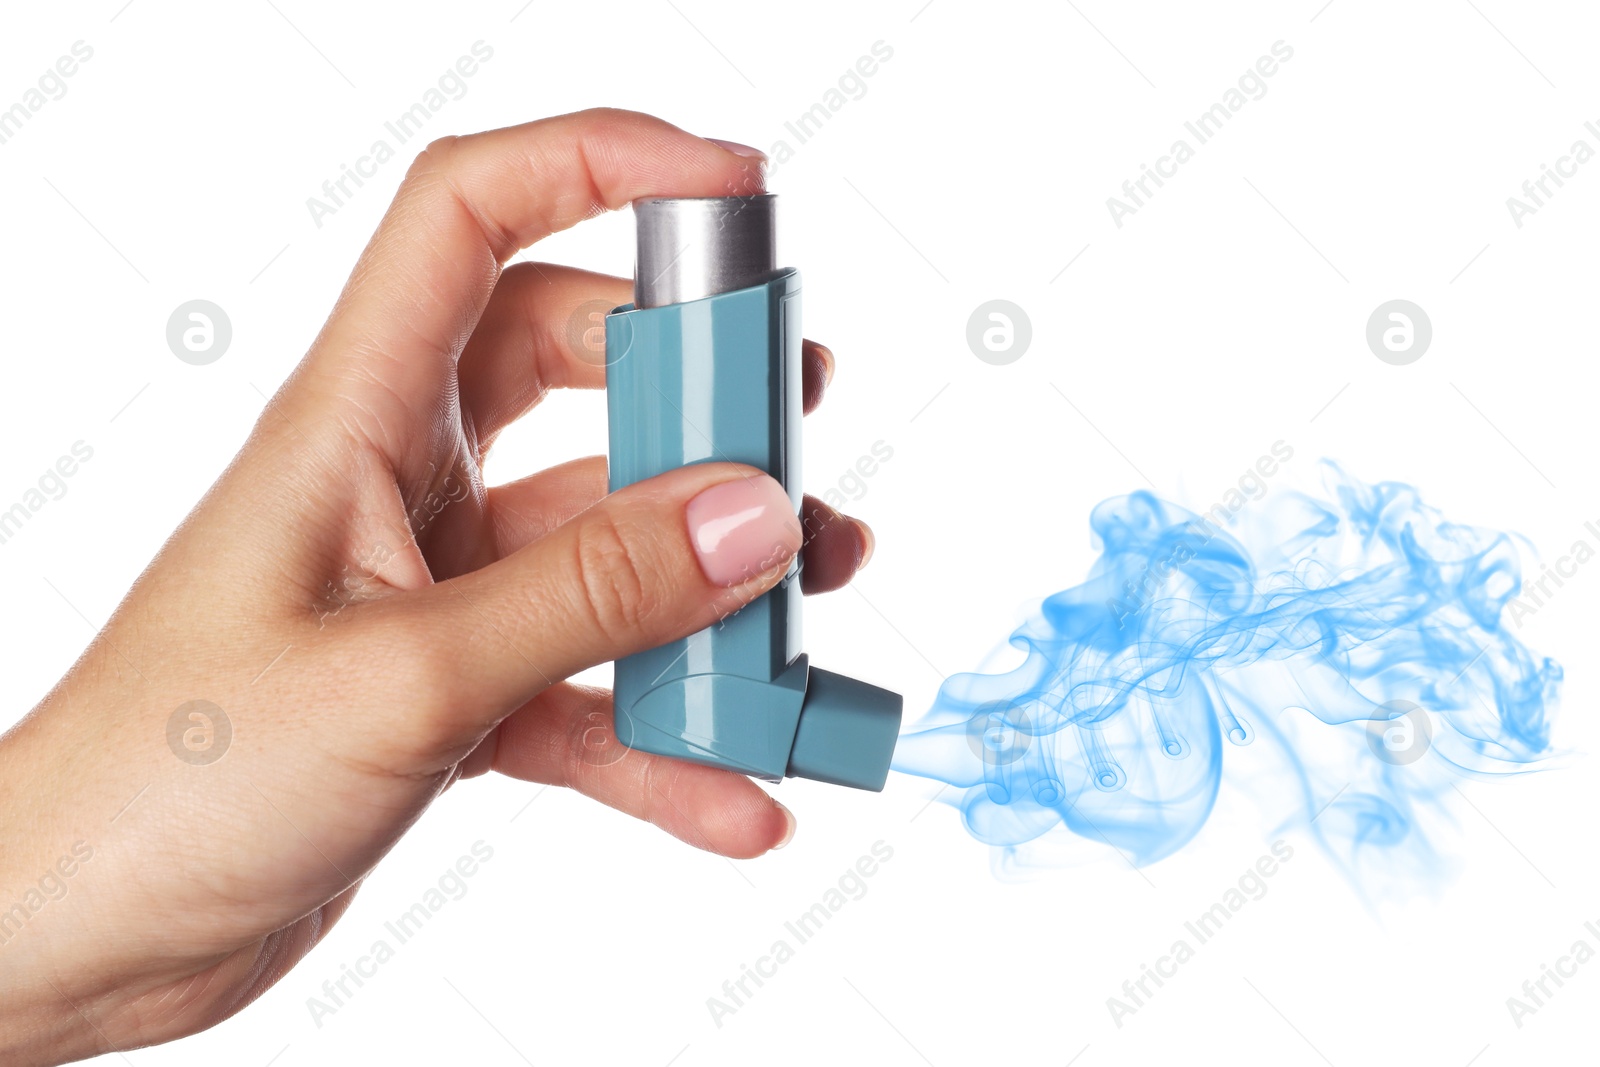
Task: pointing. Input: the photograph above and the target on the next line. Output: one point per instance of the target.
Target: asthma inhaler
(704, 366)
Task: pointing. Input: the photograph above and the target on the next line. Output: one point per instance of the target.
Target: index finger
(466, 205)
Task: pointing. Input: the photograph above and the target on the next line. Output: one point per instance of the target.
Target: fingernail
(869, 541)
(741, 528)
(738, 149)
(790, 826)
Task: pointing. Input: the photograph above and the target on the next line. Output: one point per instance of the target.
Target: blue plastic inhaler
(704, 366)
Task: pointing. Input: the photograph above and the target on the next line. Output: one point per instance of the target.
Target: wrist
(42, 1029)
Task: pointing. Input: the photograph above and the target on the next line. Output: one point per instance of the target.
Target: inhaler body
(704, 366)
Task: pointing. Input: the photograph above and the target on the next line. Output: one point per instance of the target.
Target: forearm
(39, 1023)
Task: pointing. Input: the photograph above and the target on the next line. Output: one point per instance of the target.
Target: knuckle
(614, 577)
(607, 117)
(446, 167)
(436, 158)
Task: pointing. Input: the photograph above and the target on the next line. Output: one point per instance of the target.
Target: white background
(1226, 314)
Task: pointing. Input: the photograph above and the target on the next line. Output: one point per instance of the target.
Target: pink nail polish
(738, 149)
(742, 528)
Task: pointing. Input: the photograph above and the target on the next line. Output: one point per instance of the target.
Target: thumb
(650, 563)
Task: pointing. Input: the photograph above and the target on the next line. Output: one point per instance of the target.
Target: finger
(564, 737)
(652, 562)
(836, 547)
(465, 206)
(544, 328)
(523, 511)
(817, 365)
(516, 355)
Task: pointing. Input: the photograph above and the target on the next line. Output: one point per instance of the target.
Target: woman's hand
(374, 622)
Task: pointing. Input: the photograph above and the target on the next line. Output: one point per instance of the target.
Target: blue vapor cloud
(1360, 636)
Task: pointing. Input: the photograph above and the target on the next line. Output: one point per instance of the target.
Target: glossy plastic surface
(718, 379)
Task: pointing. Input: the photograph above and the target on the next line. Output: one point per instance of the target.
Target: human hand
(375, 621)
